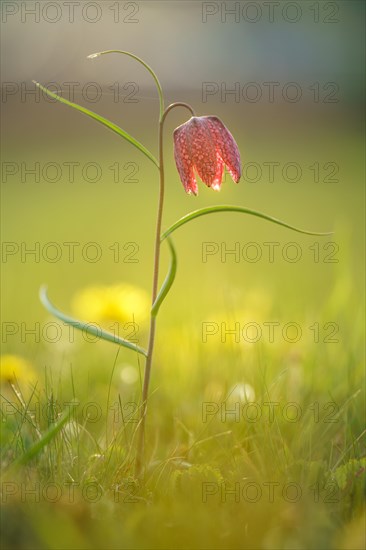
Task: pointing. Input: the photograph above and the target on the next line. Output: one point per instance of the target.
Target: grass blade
(37, 447)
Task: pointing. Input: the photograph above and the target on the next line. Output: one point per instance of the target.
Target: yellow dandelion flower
(14, 368)
(120, 302)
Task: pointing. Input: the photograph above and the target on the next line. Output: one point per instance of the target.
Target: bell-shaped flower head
(204, 144)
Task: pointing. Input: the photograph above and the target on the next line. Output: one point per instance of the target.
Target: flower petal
(216, 184)
(226, 144)
(202, 149)
(183, 160)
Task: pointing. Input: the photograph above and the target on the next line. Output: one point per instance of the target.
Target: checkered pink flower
(204, 144)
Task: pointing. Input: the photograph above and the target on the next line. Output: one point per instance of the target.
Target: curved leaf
(103, 121)
(168, 280)
(87, 327)
(158, 85)
(240, 209)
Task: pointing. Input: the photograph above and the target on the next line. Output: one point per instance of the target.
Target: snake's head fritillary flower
(204, 144)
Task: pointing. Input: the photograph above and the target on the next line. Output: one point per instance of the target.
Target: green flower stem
(150, 349)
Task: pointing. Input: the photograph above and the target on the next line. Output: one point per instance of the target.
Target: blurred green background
(185, 53)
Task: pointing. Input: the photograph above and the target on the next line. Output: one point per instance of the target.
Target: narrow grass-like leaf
(87, 327)
(158, 85)
(168, 280)
(37, 447)
(241, 210)
(103, 121)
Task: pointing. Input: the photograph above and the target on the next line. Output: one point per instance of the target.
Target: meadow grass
(277, 463)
